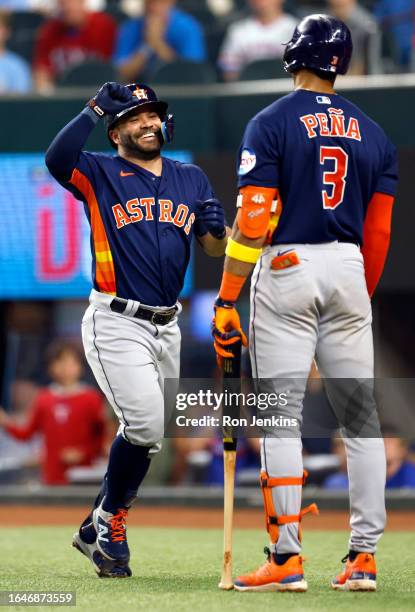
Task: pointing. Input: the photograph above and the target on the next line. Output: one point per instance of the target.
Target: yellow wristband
(241, 252)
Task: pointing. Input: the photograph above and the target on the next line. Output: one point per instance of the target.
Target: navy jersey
(141, 224)
(327, 159)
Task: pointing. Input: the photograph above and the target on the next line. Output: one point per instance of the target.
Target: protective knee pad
(272, 520)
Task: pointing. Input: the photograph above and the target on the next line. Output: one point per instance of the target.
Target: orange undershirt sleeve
(376, 237)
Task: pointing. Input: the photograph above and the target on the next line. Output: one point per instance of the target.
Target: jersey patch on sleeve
(248, 162)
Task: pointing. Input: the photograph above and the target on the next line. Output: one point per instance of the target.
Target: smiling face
(139, 134)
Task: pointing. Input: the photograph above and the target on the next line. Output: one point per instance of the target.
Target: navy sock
(283, 558)
(127, 466)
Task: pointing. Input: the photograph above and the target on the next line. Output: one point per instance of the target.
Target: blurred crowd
(58, 428)
(46, 44)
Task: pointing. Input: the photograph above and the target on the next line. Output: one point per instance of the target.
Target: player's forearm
(214, 247)
(376, 238)
(237, 271)
(63, 152)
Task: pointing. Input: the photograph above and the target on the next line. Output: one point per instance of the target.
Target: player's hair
(322, 74)
(326, 76)
(59, 347)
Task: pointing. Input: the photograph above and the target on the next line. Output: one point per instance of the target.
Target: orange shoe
(357, 575)
(273, 577)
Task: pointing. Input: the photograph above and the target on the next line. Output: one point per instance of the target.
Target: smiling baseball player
(143, 210)
(317, 180)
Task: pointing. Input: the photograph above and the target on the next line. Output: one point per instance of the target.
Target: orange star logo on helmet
(335, 60)
(141, 94)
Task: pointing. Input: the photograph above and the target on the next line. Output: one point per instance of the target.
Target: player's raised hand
(226, 329)
(210, 217)
(111, 99)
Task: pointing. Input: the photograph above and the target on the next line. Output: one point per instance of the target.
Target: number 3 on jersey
(335, 179)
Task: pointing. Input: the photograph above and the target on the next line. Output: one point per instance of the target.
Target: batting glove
(226, 329)
(210, 217)
(111, 99)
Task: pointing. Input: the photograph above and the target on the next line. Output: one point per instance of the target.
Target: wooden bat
(231, 384)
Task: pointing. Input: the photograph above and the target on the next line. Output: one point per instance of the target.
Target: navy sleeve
(204, 192)
(258, 156)
(388, 180)
(65, 155)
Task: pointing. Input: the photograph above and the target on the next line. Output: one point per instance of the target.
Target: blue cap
(142, 95)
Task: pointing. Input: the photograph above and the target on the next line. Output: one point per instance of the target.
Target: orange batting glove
(226, 329)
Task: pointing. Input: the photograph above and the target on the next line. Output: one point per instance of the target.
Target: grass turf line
(178, 570)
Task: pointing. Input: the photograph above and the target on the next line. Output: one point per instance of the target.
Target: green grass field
(178, 570)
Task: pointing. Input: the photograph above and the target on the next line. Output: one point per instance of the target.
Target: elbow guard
(255, 206)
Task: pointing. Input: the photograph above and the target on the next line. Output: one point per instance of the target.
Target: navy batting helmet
(319, 42)
(143, 96)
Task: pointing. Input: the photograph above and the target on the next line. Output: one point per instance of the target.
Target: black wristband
(219, 303)
(217, 235)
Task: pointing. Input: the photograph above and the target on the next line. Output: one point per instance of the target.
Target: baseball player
(143, 211)
(321, 174)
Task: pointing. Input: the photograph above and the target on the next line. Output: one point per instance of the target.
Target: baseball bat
(231, 376)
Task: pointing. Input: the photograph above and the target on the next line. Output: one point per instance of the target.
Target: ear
(114, 135)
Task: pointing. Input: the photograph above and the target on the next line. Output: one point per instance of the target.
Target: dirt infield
(173, 516)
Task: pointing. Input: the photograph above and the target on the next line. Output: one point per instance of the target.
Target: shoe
(357, 575)
(103, 567)
(273, 577)
(111, 539)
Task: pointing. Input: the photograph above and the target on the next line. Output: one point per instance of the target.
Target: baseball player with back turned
(314, 168)
(143, 211)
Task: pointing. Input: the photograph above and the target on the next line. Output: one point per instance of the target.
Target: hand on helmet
(111, 99)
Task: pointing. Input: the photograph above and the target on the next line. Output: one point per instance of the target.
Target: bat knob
(225, 586)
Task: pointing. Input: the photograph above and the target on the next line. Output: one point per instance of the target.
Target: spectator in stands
(397, 18)
(260, 36)
(74, 36)
(15, 76)
(366, 58)
(400, 472)
(161, 35)
(69, 415)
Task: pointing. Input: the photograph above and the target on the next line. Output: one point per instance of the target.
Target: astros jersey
(327, 159)
(141, 224)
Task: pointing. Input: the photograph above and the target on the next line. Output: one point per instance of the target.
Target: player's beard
(133, 149)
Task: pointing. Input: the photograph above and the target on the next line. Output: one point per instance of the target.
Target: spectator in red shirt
(69, 415)
(71, 38)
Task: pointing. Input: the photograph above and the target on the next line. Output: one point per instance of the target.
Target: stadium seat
(26, 20)
(94, 72)
(264, 69)
(199, 10)
(24, 26)
(214, 38)
(184, 73)
(390, 52)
